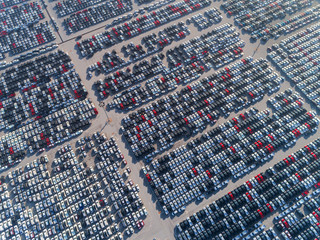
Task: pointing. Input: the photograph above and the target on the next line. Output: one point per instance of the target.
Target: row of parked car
(134, 52)
(156, 42)
(205, 48)
(157, 18)
(174, 32)
(231, 150)
(288, 26)
(110, 62)
(283, 188)
(29, 55)
(155, 5)
(50, 108)
(200, 22)
(40, 100)
(122, 79)
(34, 72)
(18, 16)
(72, 200)
(255, 15)
(154, 87)
(45, 131)
(197, 105)
(137, 52)
(213, 49)
(67, 7)
(88, 47)
(213, 17)
(298, 57)
(9, 3)
(306, 227)
(144, 1)
(25, 38)
(96, 14)
(137, 26)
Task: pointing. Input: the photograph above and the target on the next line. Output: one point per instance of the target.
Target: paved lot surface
(157, 226)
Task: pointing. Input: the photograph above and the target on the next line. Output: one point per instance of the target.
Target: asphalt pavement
(157, 225)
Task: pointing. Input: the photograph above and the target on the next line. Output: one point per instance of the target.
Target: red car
(140, 224)
(148, 177)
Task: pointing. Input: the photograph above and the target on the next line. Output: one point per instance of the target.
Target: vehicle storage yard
(192, 119)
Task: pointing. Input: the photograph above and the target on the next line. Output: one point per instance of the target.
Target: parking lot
(113, 99)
